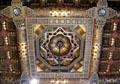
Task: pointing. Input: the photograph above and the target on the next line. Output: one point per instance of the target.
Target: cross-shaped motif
(101, 13)
(17, 12)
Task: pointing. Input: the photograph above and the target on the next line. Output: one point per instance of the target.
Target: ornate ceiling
(73, 3)
(60, 46)
(10, 69)
(109, 65)
(55, 43)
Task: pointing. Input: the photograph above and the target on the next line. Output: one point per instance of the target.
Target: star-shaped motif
(62, 37)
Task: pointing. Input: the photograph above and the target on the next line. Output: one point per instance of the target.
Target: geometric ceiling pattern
(60, 48)
(64, 46)
(109, 66)
(41, 37)
(10, 68)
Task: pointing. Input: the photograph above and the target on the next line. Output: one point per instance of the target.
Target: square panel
(42, 33)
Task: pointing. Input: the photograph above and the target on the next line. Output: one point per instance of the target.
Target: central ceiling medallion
(60, 46)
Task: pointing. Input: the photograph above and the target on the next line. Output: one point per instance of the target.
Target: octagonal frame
(62, 67)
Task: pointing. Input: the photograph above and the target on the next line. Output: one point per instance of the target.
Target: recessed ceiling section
(59, 48)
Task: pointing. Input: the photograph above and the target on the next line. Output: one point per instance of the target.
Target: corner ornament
(17, 12)
(101, 13)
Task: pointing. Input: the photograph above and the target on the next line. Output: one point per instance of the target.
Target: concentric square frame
(88, 22)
